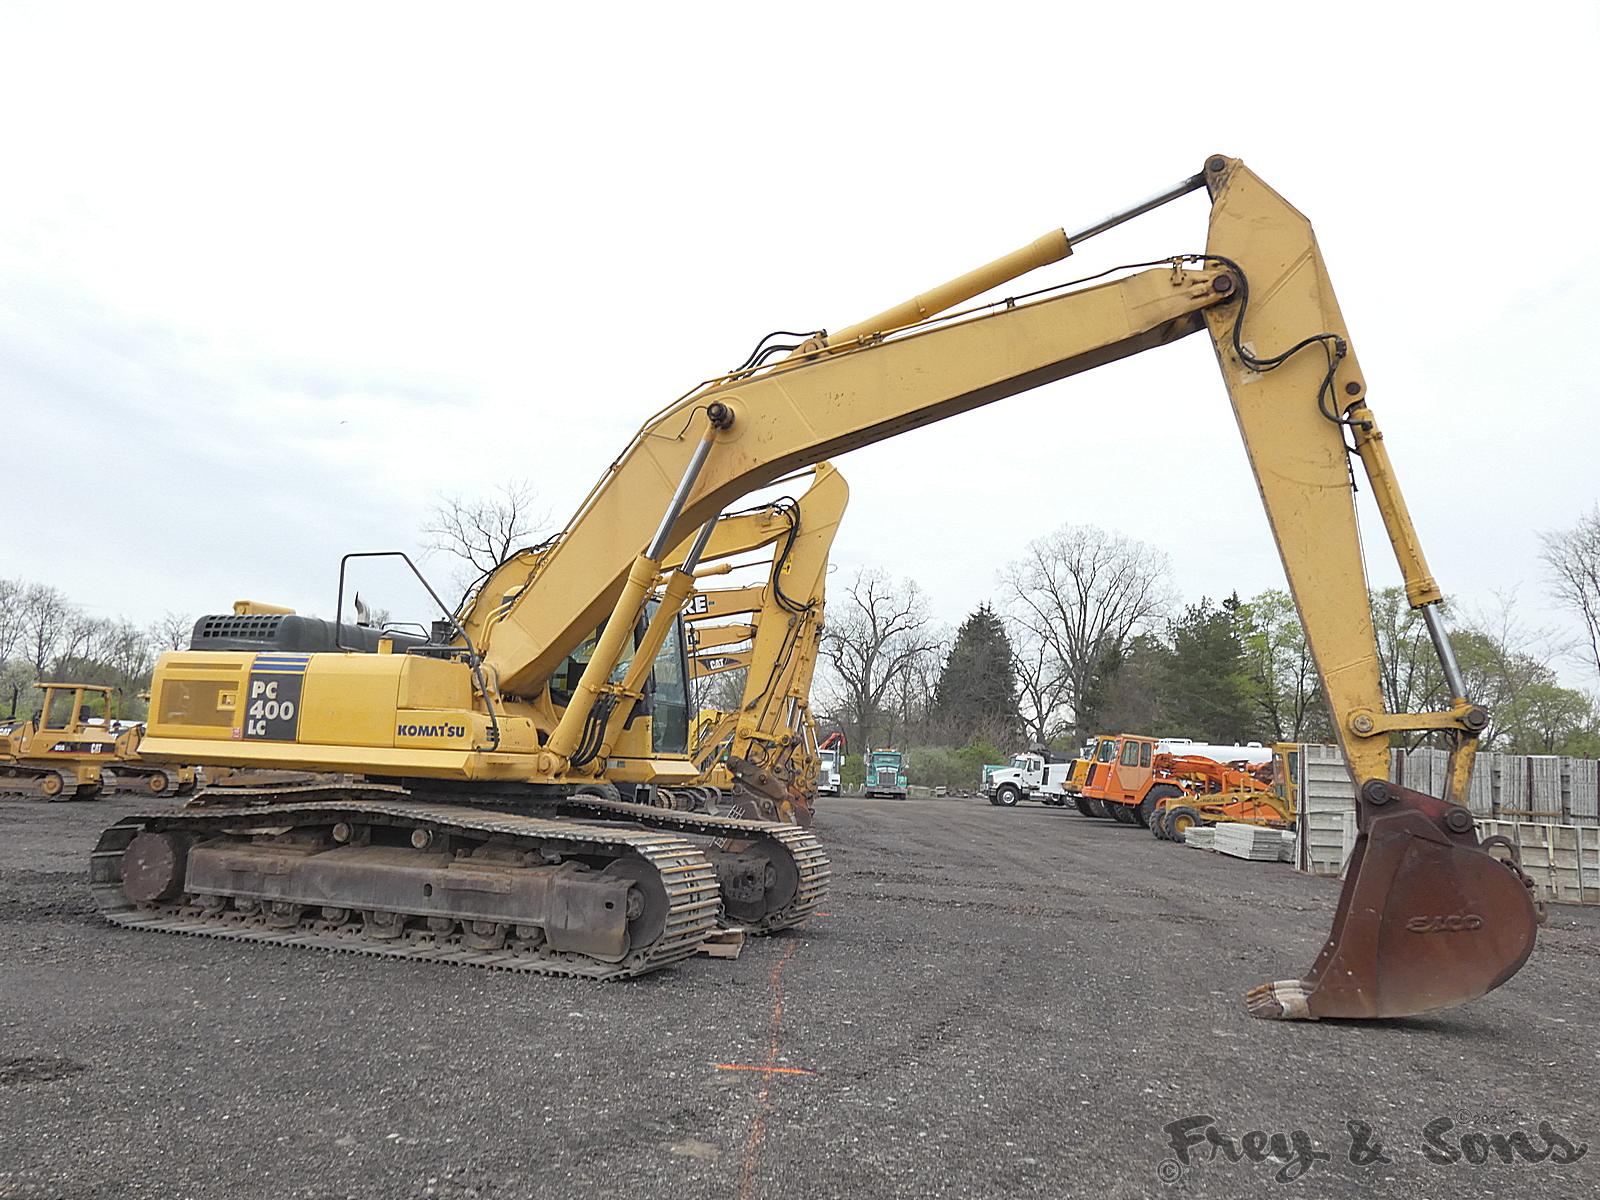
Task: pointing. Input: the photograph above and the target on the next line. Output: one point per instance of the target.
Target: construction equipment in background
(763, 753)
(1033, 775)
(1215, 792)
(885, 774)
(63, 751)
(478, 744)
(703, 666)
(830, 758)
(1120, 776)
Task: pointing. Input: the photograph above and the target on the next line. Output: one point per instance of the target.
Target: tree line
(45, 637)
(1087, 635)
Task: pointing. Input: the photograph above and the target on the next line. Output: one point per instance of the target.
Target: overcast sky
(273, 277)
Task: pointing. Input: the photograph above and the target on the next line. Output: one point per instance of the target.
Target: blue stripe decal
(291, 663)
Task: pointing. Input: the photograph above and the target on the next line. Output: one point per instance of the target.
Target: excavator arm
(1427, 918)
(806, 409)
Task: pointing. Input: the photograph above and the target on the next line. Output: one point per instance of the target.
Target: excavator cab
(666, 688)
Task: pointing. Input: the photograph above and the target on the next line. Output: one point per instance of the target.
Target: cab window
(1280, 779)
(58, 711)
(1144, 754)
(1106, 753)
(1130, 754)
(565, 680)
(669, 708)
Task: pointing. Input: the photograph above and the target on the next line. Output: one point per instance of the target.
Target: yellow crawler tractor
(63, 751)
(471, 836)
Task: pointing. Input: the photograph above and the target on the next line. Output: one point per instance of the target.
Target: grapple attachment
(1427, 919)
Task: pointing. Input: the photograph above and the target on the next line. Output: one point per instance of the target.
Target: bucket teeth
(1284, 1000)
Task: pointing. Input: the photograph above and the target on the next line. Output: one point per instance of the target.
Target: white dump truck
(828, 772)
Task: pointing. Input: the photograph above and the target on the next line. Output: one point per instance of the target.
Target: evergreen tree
(1103, 693)
(976, 695)
(1207, 689)
(1129, 696)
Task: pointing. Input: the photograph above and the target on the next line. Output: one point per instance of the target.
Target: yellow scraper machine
(475, 815)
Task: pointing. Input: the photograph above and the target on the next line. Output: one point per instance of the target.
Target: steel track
(811, 861)
(687, 877)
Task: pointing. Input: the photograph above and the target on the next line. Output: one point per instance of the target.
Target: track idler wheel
(153, 867)
(1427, 918)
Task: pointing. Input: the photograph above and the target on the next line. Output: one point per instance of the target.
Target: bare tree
(909, 701)
(1042, 685)
(13, 626)
(877, 632)
(125, 651)
(484, 531)
(1573, 558)
(50, 624)
(1082, 593)
(79, 636)
(172, 631)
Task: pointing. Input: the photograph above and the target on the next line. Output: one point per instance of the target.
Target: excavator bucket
(1427, 919)
(760, 795)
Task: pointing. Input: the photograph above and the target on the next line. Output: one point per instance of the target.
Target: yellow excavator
(768, 743)
(470, 839)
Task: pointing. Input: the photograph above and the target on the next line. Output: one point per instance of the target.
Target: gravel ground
(996, 1003)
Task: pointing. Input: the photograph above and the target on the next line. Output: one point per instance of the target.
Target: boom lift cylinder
(1182, 188)
(1422, 592)
(1040, 252)
(642, 577)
